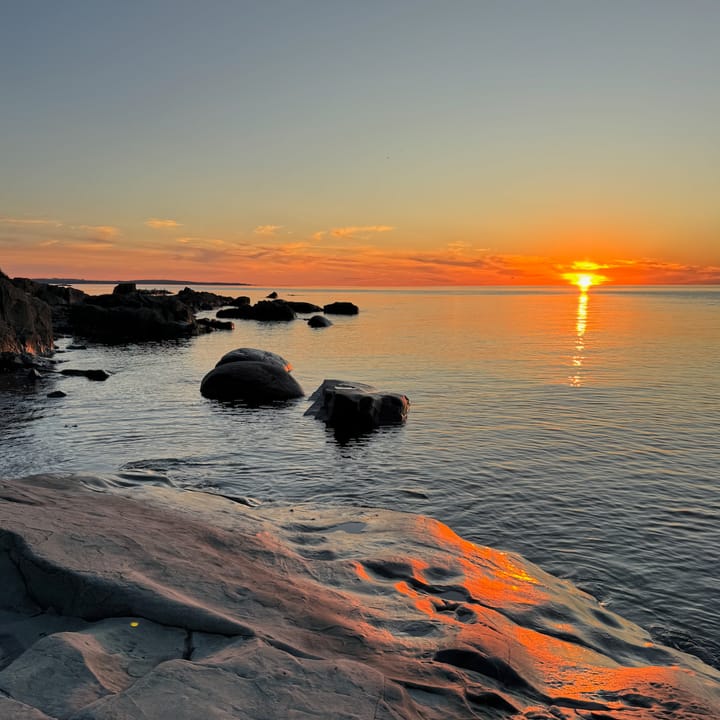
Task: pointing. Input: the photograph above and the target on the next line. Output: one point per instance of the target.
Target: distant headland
(82, 281)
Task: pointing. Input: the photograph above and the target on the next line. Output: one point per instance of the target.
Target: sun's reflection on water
(576, 379)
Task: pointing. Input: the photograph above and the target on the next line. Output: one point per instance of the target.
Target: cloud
(267, 230)
(103, 232)
(28, 221)
(359, 230)
(159, 224)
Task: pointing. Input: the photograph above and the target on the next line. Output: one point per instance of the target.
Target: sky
(335, 142)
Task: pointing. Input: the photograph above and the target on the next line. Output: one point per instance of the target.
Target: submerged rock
(353, 406)
(252, 375)
(210, 324)
(116, 603)
(319, 321)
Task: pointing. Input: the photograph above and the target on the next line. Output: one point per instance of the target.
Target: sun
(583, 277)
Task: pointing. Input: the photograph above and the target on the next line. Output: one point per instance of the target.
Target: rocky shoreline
(121, 603)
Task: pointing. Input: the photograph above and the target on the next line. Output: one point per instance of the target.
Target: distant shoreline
(79, 281)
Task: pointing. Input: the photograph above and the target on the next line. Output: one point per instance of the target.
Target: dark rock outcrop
(126, 288)
(303, 307)
(356, 407)
(264, 311)
(132, 316)
(271, 310)
(240, 300)
(59, 297)
(273, 295)
(25, 321)
(341, 308)
(319, 321)
(57, 394)
(201, 300)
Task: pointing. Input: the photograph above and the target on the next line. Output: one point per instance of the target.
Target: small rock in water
(89, 374)
(341, 308)
(319, 321)
(56, 394)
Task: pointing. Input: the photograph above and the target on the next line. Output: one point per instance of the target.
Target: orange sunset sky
(375, 143)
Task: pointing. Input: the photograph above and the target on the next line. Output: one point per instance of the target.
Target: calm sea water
(579, 430)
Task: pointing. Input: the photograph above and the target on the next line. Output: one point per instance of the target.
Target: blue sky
(512, 128)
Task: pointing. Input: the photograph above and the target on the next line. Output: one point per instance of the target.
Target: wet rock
(341, 308)
(240, 300)
(25, 321)
(98, 375)
(77, 347)
(319, 321)
(353, 406)
(201, 300)
(57, 394)
(303, 307)
(273, 310)
(33, 375)
(254, 355)
(251, 381)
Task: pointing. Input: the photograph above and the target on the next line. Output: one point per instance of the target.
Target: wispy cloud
(28, 221)
(160, 224)
(267, 230)
(103, 232)
(362, 231)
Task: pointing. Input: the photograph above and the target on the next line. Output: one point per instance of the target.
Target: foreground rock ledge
(132, 604)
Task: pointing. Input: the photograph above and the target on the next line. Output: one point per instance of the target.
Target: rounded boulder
(251, 381)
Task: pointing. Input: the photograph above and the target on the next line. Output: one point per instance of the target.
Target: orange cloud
(267, 230)
(361, 231)
(28, 221)
(103, 232)
(159, 224)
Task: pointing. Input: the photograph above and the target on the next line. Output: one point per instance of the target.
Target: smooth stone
(254, 355)
(57, 394)
(250, 380)
(319, 321)
(240, 312)
(273, 310)
(303, 307)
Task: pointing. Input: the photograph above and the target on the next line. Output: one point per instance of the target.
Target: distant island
(81, 281)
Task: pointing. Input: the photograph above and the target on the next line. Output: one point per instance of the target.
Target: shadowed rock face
(319, 321)
(127, 316)
(25, 321)
(356, 406)
(113, 600)
(202, 300)
(255, 355)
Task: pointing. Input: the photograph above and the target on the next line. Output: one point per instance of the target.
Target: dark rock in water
(250, 380)
(271, 310)
(353, 406)
(201, 300)
(341, 308)
(56, 394)
(303, 307)
(240, 300)
(77, 347)
(272, 295)
(133, 316)
(99, 375)
(33, 375)
(212, 324)
(127, 288)
(240, 312)
(319, 321)
(25, 321)
(254, 355)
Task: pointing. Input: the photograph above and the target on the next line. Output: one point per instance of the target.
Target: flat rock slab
(149, 602)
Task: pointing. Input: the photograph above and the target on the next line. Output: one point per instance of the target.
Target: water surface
(579, 430)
